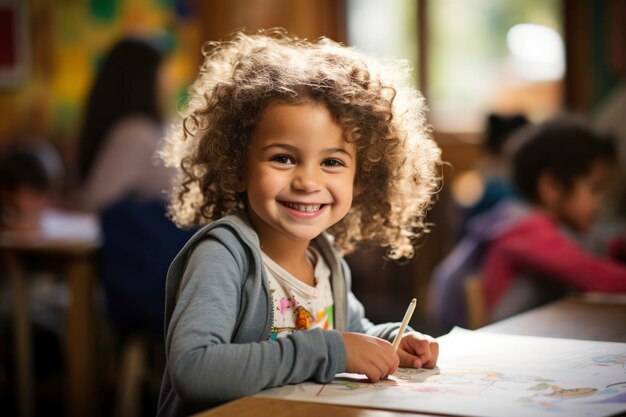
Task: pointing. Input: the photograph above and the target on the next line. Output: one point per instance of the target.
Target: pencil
(405, 322)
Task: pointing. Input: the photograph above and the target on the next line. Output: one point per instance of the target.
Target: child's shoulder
(537, 226)
(227, 228)
(229, 235)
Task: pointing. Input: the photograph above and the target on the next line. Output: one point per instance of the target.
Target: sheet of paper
(483, 375)
(67, 225)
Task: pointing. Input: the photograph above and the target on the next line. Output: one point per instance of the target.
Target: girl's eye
(282, 159)
(333, 163)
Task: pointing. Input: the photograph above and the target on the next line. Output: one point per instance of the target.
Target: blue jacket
(218, 316)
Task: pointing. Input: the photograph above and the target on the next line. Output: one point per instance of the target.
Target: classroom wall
(64, 43)
(304, 18)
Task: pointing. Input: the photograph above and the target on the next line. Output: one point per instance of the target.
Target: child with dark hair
(123, 127)
(559, 155)
(24, 190)
(495, 165)
(526, 251)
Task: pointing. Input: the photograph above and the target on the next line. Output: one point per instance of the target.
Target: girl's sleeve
(548, 251)
(203, 362)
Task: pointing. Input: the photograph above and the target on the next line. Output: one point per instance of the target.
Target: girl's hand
(418, 350)
(369, 355)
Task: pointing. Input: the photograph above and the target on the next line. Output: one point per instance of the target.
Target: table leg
(80, 343)
(22, 337)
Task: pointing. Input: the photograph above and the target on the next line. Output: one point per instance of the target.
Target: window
(482, 56)
(387, 29)
(492, 55)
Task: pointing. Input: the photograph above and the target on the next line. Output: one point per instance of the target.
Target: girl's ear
(357, 190)
(549, 190)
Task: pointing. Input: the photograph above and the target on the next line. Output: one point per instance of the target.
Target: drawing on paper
(482, 374)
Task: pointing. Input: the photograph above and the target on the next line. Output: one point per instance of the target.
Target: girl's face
(580, 205)
(299, 173)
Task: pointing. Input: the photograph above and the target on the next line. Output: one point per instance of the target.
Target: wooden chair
(475, 302)
(132, 369)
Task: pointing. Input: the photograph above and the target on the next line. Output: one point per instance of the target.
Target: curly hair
(397, 162)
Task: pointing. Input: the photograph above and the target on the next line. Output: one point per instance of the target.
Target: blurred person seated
(125, 184)
(25, 189)
(526, 250)
(29, 175)
(493, 168)
(31, 178)
(123, 181)
(123, 127)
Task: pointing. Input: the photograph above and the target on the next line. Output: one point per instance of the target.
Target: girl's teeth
(303, 207)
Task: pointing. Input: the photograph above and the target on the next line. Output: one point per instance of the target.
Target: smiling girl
(291, 152)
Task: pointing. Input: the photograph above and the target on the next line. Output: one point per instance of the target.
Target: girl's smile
(303, 210)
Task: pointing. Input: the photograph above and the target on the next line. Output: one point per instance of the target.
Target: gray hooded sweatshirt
(218, 315)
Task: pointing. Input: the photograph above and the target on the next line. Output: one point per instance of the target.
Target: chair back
(475, 302)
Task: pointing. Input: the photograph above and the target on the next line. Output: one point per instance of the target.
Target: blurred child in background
(526, 251)
(123, 128)
(124, 183)
(27, 187)
(29, 178)
(494, 167)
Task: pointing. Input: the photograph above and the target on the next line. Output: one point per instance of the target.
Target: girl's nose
(307, 179)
